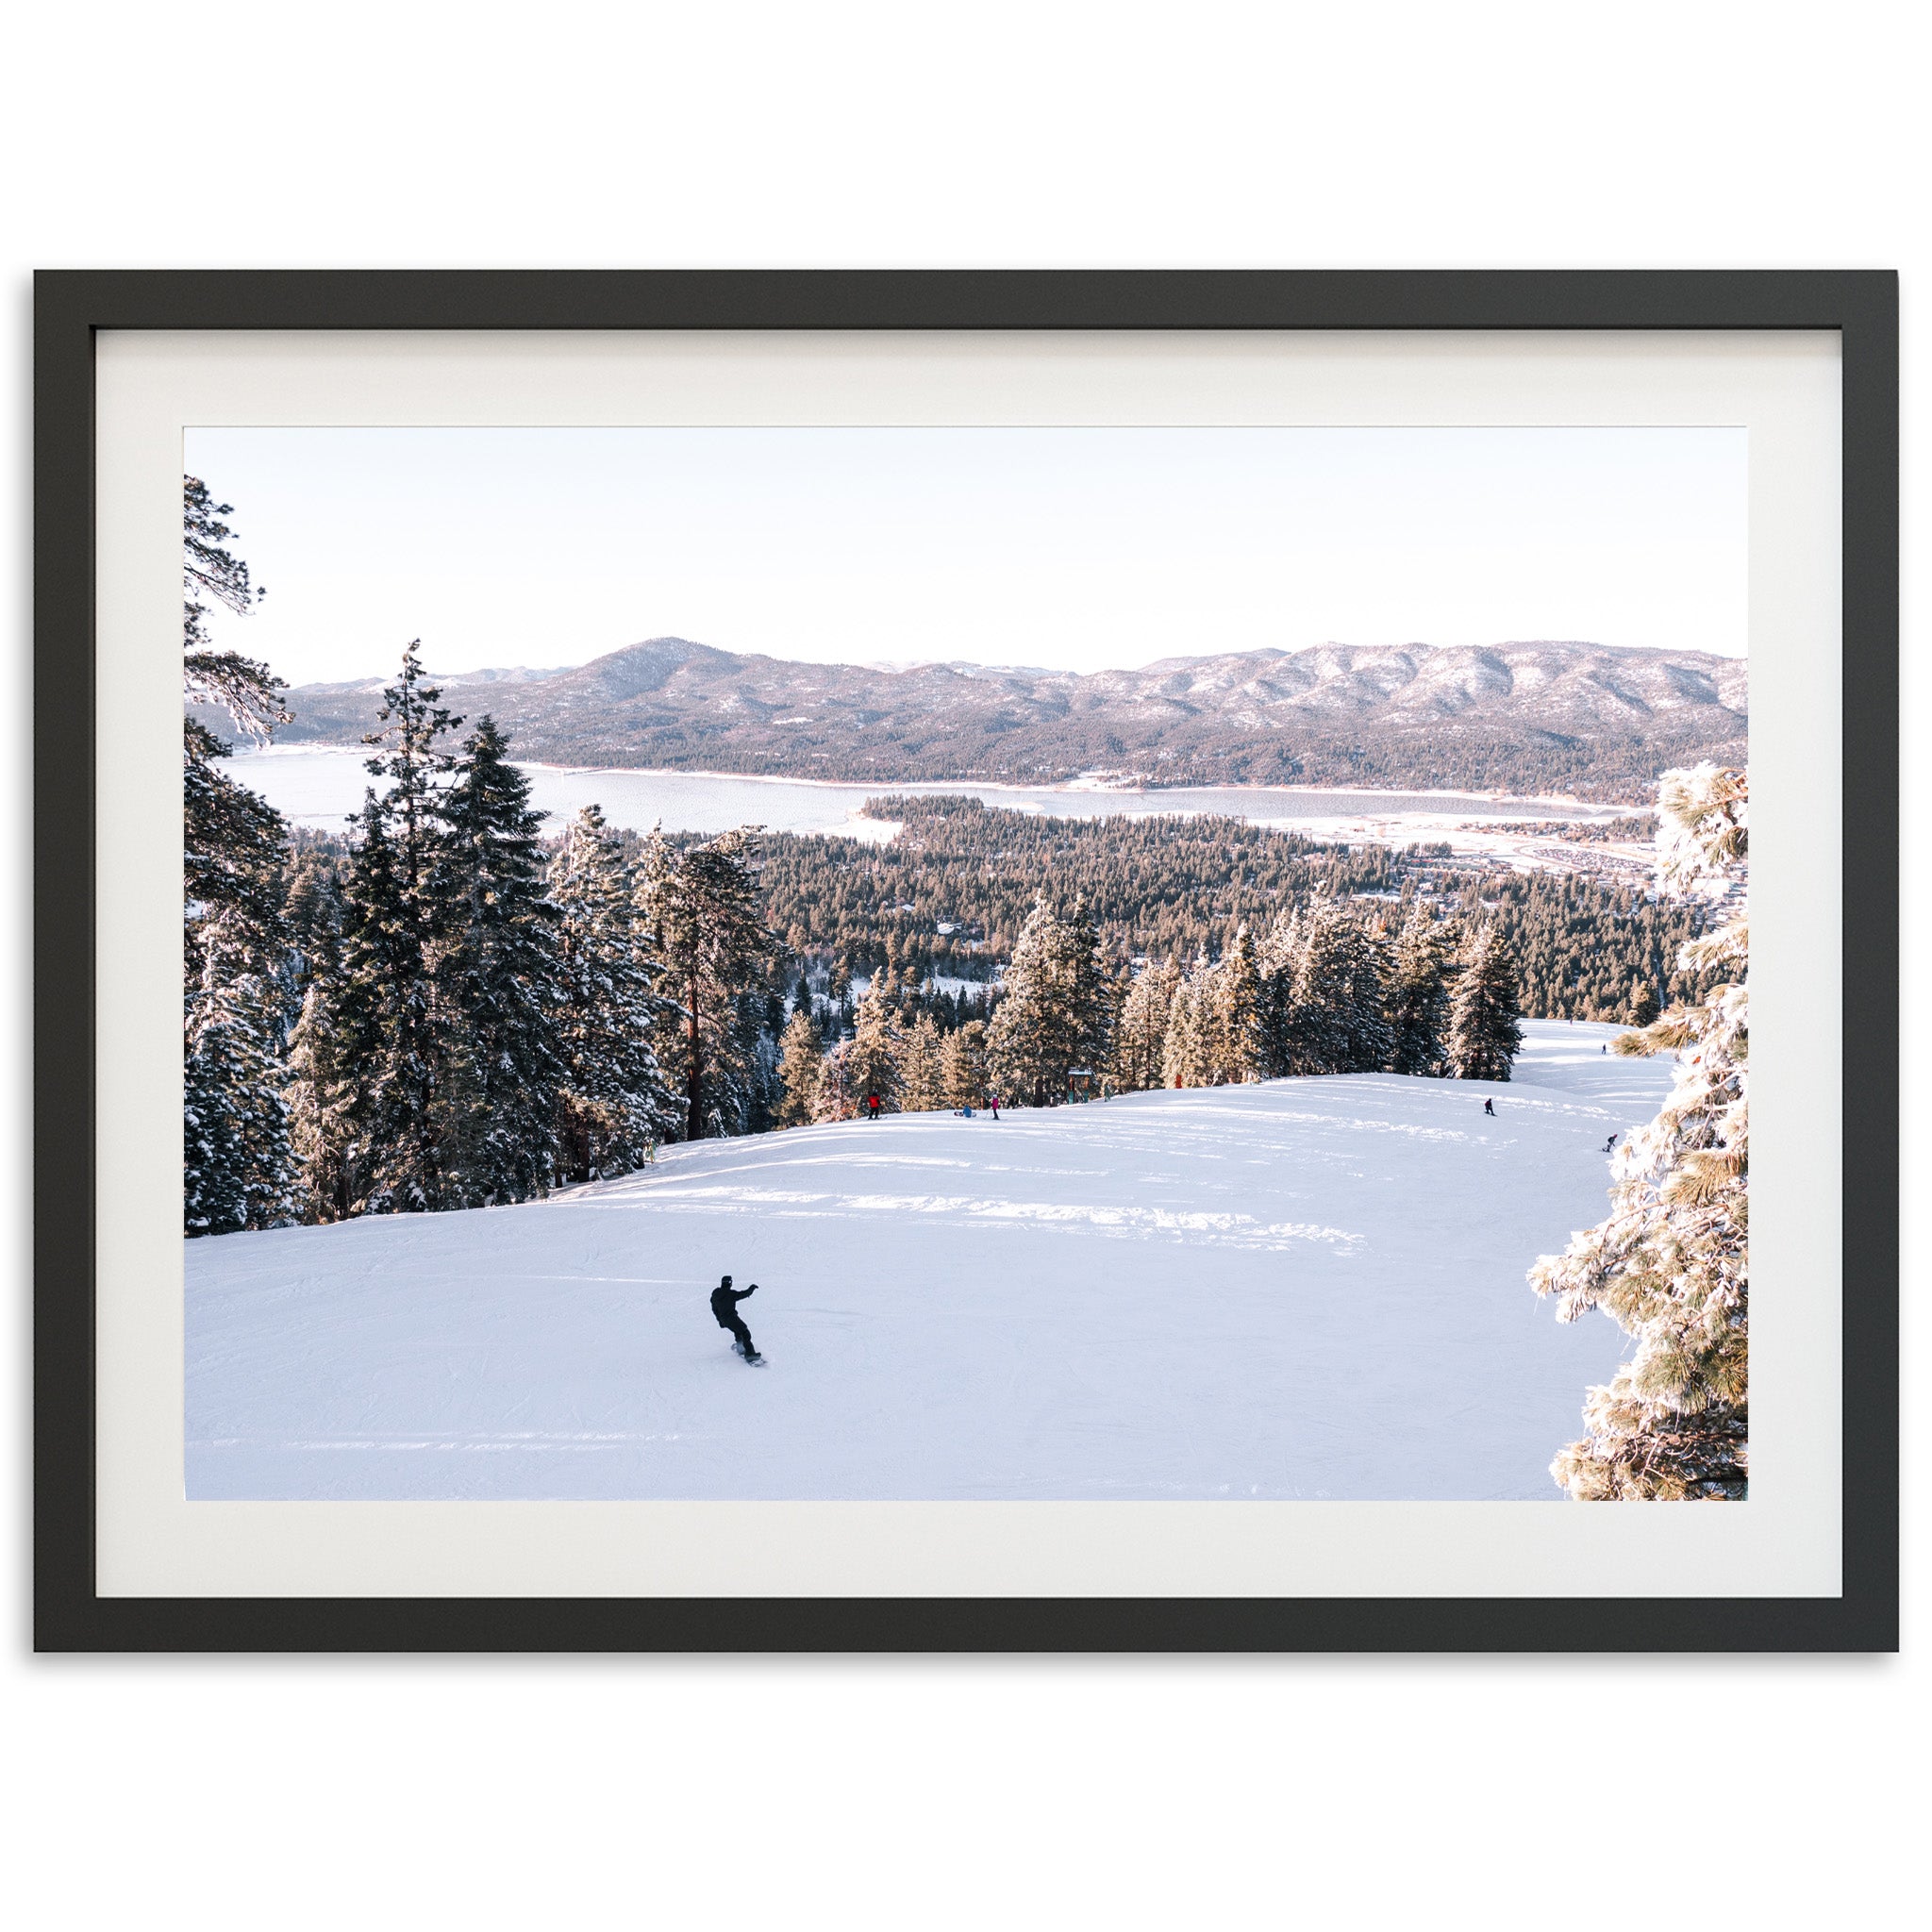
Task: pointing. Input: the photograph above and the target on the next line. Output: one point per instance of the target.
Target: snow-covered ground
(1305, 1288)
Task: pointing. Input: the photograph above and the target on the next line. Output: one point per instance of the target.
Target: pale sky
(1078, 549)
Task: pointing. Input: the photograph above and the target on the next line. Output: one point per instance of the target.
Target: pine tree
(235, 843)
(1056, 1013)
(220, 680)
(748, 1102)
(238, 1171)
(237, 1161)
(1419, 996)
(921, 1075)
(396, 1028)
(1671, 1263)
(873, 1055)
(313, 919)
(962, 1065)
(1484, 1036)
(322, 1090)
(383, 1020)
(1140, 1037)
(325, 1100)
(703, 911)
(498, 976)
(1277, 957)
(839, 1096)
(800, 1067)
(1185, 1056)
(1317, 1030)
(237, 1168)
(613, 1102)
(1236, 1034)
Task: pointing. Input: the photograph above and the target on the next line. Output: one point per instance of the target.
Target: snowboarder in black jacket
(724, 1301)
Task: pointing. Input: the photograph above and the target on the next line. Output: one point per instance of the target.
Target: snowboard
(754, 1360)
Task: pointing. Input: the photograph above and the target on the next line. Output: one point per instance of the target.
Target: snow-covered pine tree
(1484, 1036)
(962, 1065)
(800, 1064)
(234, 848)
(873, 1055)
(838, 1098)
(220, 680)
(1186, 1059)
(312, 917)
(321, 1092)
(1056, 1014)
(1235, 1016)
(499, 976)
(1335, 1011)
(922, 1081)
(325, 1100)
(1672, 1262)
(235, 1150)
(237, 1168)
(1026, 1036)
(1419, 996)
(703, 912)
(1092, 990)
(1139, 1041)
(745, 1087)
(613, 1102)
(387, 1026)
(397, 1028)
(1279, 951)
(768, 1087)
(1089, 992)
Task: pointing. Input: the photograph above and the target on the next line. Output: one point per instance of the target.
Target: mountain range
(1582, 720)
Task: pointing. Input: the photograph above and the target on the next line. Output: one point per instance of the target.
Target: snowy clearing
(1307, 1288)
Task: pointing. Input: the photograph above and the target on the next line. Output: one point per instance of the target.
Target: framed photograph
(966, 961)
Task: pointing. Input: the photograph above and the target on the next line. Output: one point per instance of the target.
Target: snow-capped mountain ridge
(1528, 716)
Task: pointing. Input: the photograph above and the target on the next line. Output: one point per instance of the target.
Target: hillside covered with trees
(953, 892)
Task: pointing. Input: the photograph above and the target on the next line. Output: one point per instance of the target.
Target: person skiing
(1490, 1106)
(992, 1100)
(1609, 1144)
(724, 1301)
(872, 1107)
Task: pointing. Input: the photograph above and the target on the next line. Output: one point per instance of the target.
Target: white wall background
(273, 1793)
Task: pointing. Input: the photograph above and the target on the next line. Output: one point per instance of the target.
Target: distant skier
(724, 1301)
(1609, 1144)
(1490, 1108)
(872, 1107)
(992, 1100)
(1606, 1047)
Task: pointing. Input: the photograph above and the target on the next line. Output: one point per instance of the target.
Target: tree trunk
(694, 1076)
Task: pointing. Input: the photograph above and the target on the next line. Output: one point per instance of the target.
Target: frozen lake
(323, 787)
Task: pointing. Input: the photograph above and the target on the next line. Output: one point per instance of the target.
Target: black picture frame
(72, 306)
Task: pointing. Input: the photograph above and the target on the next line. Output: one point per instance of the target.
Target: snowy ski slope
(1303, 1288)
